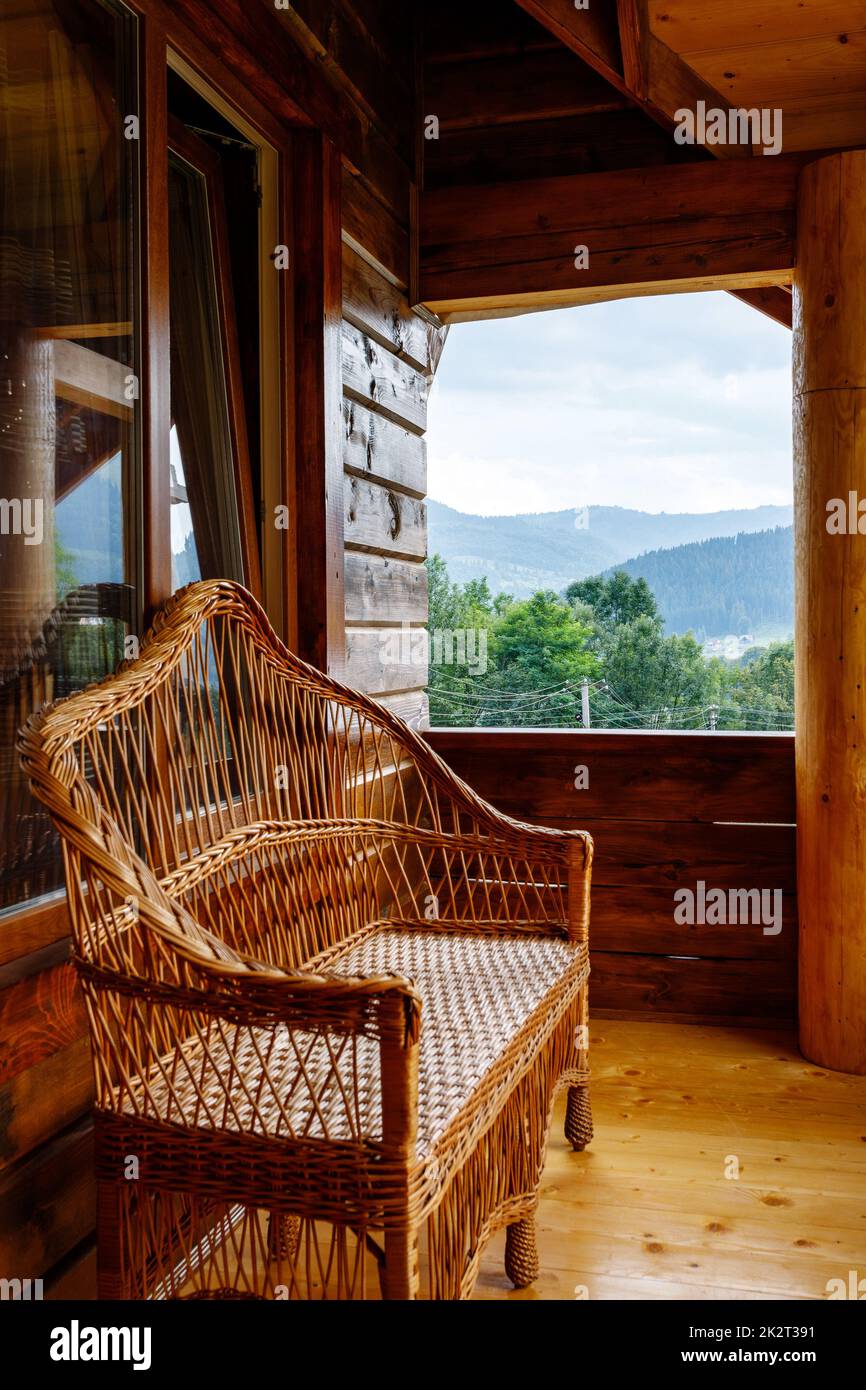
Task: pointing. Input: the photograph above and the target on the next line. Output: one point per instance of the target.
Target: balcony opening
(610, 519)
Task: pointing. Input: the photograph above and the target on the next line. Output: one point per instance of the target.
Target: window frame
(297, 380)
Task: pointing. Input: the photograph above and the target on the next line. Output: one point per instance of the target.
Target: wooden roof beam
(616, 40)
(641, 49)
(775, 301)
(654, 77)
(649, 66)
(503, 248)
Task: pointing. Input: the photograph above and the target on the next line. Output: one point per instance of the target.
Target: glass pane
(185, 565)
(205, 530)
(68, 178)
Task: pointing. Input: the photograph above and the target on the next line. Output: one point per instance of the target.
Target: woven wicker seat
(479, 993)
(332, 993)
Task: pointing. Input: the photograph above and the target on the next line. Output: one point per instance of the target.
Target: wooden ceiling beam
(672, 80)
(670, 228)
(616, 40)
(634, 36)
(591, 33)
(656, 78)
(549, 84)
(773, 300)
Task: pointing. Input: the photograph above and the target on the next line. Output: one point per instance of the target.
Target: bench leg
(578, 1117)
(400, 1274)
(521, 1253)
(109, 1216)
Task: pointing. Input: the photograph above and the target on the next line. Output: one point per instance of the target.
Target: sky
(677, 403)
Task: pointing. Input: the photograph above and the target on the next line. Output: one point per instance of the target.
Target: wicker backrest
(215, 727)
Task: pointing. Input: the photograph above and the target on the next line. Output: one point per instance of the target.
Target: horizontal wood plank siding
(368, 223)
(379, 309)
(665, 811)
(43, 1098)
(379, 661)
(47, 1204)
(632, 776)
(385, 520)
(389, 356)
(377, 377)
(754, 993)
(37, 926)
(39, 1014)
(383, 590)
(378, 448)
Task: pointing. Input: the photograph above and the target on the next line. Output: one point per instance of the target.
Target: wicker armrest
(243, 991)
(232, 1046)
(463, 801)
(519, 841)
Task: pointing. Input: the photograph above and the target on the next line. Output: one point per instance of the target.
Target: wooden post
(317, 252)
(830, 466)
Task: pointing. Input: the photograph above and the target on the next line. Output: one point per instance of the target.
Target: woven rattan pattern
(478, 992)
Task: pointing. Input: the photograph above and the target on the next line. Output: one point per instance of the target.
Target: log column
(830, 463)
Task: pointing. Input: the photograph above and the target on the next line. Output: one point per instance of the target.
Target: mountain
(739, 584)
(547, 550)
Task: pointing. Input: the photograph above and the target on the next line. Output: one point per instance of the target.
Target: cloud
(674, 403)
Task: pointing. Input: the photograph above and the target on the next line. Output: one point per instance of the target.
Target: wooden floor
(647, 1212)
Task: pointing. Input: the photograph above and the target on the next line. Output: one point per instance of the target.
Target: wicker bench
(332, 993)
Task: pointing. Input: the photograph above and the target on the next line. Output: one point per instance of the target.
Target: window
(86, 312)
(208, 450)
(69, 452)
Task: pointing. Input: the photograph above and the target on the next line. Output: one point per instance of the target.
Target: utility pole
(584, 702)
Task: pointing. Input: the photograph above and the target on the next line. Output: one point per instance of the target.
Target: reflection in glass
(67, 437)
(185, 567)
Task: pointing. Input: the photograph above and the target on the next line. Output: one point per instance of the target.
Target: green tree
(760, 689)
(616, 600)
(541, 637)
(656, 677)
(442, 595)
(64, 573)
(459, 625)
(536, 652)
(540, 653)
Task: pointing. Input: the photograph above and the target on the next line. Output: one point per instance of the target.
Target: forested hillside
(548, 550)
(738, 584)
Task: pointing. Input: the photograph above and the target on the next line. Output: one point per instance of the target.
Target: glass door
(69, 451)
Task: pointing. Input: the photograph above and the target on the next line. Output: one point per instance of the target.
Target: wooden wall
(47, 1199)
(665, 810)
(388, 357)
(366, 51)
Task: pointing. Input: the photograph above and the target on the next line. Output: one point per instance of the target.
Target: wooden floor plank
(647, 1212)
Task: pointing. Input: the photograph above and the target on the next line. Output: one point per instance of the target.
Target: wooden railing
(667, 811)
